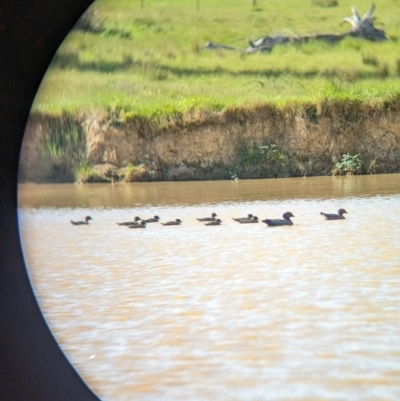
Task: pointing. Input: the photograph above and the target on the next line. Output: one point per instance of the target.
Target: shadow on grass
(71, 61)
(158, 71)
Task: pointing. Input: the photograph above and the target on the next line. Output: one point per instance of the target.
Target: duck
(129, 223)
(240, 219)
(254, 219)
(137, 225)
(216, 222)
(332, 216)
(134, 224)
(80, 223)
(278, 222)
(176, 222)
(154, 219)
(212, 218)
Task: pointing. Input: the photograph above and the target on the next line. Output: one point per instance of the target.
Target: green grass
(64, 140)
(150, 63)
(134, 173)
(86, 174)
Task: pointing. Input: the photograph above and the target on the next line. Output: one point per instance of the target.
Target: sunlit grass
(151, 62)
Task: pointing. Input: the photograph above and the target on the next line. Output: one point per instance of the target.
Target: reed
(64, 139)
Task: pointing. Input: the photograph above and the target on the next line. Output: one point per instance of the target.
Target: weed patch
(265, 160)
(134, 173)
(349, 165)
(86, 174)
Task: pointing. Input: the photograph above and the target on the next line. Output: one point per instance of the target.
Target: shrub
(349, 165)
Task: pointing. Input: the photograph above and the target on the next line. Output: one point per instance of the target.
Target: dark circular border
(33, 367)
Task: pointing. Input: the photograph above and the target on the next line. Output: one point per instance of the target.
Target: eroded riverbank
(261, 142)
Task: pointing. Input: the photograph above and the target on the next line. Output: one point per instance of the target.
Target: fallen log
(214, 46)
(361, 27)
(364, 27)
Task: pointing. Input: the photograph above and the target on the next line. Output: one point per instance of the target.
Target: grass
(325, 3)
(64, 140)
(150, 62)
(85, 173)
(135, 173)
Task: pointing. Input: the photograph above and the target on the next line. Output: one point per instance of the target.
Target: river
(230, 312)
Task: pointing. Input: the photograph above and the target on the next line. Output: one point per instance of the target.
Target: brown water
(235, 312)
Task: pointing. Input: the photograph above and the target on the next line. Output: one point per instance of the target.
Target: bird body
(154, 219)
(176, 222)
(279, 222)
(212, 218)
(332, 216)
(142, 224)
(216, 222)
(254, 219)
(129, 223)
(243, 219)
(81, 223)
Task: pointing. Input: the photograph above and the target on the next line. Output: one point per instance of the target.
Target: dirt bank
(252, 143)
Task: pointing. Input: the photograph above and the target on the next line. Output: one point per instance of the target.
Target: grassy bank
(145, 58)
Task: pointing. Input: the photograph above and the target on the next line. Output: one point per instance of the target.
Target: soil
(217, 146)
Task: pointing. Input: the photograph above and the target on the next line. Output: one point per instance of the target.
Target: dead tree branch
(361, 27)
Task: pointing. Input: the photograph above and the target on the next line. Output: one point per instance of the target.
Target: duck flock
(137, 222)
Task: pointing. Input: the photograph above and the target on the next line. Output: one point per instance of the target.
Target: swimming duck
(254, 219)
(278, 222)
(177, 222)
(216, 222)
(212, 218)
(80, 223)
(331, 216)
(129, 223)
(240, 219)
(154, 219)
(137, 225)
(134, 224)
